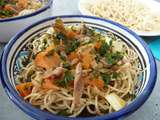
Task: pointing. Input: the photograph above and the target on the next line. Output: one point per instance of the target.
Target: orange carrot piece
(87, 59)
(22, 3)
(97, 45)
(72, 55)
(24, 88)
(47, 62)
(48, 84)
(70, 34)
(98, 83)
(8, 7)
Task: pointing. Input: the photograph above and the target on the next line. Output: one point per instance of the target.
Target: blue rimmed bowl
(17, 48)
(10, 26)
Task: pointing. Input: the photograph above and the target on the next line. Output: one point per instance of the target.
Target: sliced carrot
(97, 45)
(48, 84)
(47, 61)
(87, 59)
(98, 83)
(24, 88)
(8, 7)
(72, 55)
(70, 34)
(22, 3)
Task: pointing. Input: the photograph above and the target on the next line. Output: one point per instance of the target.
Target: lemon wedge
(115, 101)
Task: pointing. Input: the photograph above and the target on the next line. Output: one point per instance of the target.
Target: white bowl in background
(10, 26)
(153, 5)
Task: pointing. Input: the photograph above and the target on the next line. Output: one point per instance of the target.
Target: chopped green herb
(113, 58)
(6, 13)
(97, 58)
(67, 78)
(61, 36)
(73, 46)
(115, 75)
(110, 43)
(67, 65)
(62, 57)
(106, 78)
(2, 3)
(104, 49)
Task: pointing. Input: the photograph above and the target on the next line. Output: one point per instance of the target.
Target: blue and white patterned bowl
(17, 47)
(10, 26)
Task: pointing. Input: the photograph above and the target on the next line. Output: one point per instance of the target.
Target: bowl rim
(34, 112)
(44, 8)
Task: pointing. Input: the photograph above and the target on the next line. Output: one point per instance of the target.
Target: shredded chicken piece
(78, 84)
(86, 48)
(94, 64)
(74, 61)
(103, 61)
(56, 72)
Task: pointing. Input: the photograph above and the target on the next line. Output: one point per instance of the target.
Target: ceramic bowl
(17, 48)
(10, 26)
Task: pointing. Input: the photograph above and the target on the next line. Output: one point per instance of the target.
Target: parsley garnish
(63, 57)
(113, 58)
(97, 58)
(2, 3)
(67, 65)
(104, 49)
(115, 75)
(73, 46)
(67, 78)
(61, 36)
(6, 13)
(106, 78)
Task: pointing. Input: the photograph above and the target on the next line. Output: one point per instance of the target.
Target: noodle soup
(77, 70)
(13, 8)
